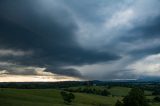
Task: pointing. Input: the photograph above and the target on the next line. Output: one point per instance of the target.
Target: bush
(67, 97)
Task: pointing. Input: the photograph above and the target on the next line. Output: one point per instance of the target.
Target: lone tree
(135, 97)
(68, 97)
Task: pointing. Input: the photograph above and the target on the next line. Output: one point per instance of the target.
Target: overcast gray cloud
(93, 39)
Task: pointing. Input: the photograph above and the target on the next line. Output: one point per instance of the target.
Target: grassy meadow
(52, 97)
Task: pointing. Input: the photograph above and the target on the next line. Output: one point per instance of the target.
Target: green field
(52, 97)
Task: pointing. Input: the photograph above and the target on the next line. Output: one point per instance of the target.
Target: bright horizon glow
(36, 78)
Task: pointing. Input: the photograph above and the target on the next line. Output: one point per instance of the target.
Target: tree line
(89, 90)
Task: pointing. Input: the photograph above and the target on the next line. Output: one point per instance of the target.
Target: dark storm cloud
(148, 33)
(50, 35)
(148, 30)
(56, 46)
(99, 38)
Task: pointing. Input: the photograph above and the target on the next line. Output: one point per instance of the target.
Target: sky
(57, 40)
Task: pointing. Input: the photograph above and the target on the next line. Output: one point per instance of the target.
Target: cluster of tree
(156, 92)
(156, 99)
(46, 85)
(34, 85)
(68, 97)
(135, 97)
(90, 90)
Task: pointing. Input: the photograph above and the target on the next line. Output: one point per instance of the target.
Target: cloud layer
(89, 39)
